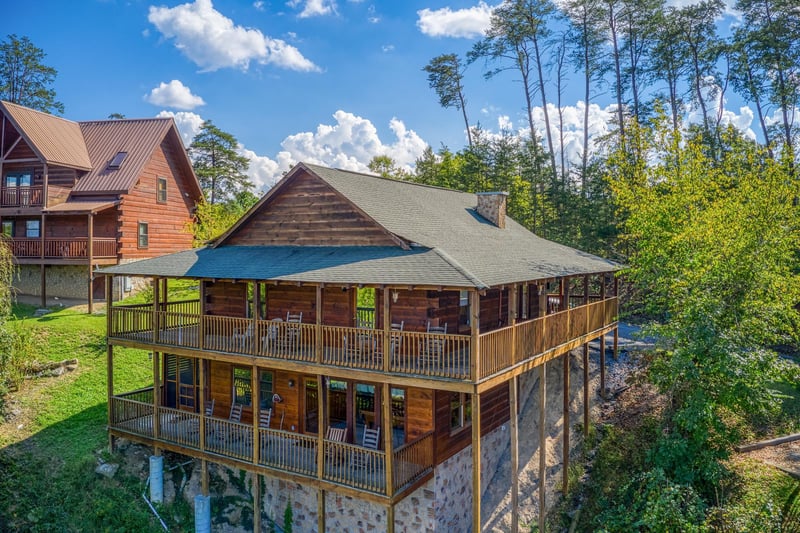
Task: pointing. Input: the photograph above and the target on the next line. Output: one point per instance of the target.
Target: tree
(385, 166)
(715, 245)
(116, 116)
(445, 76)
(212, 220)
(24, 79)
(219, 168)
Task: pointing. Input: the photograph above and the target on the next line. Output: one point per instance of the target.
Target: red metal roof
(54, 140)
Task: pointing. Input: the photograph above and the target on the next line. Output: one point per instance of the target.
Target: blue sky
(327, 81)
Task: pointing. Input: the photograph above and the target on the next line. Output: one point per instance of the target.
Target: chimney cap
(492, 193)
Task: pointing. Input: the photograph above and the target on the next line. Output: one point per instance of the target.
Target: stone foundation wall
(64, 281)
(346, 514)
(417, 512)
(453, 488)
(276, 494)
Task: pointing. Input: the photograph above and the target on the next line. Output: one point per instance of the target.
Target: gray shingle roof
(452, 245)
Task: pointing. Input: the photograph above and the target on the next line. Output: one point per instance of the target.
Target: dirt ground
(783, 456)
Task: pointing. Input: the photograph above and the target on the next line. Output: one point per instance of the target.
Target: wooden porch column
(156, 396)
(255, 400)
(201, 341)
(201, 376)
(43, 269)
(321, 511)
(388, 447)
(318, 328)
(542, 442)
(475, 311)
(321, 418)
(257, 503)
(109, 363)
(586, 362)
(513, 304)
(603, 283)
(90, 258)
(256, 344)
(156, 300)
(525, 301)
(476, 462)
(565, 472)
(514, 435)
(387, 328)
(542, 299)
(204, 477)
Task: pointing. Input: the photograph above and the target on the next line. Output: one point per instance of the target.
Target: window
(143, 235)
(117, 160)
(266, 388)
(463, 308)
(460, 410)
(8, 228)
(32, 229)
(19, 179)
(242, 386)
(161, 190)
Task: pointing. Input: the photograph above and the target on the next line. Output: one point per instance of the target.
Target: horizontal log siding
(308, 211)
(167, 223)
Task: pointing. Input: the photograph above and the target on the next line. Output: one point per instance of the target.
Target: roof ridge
(43, 113)
(455, 264)
(117, 120)
(376, 176)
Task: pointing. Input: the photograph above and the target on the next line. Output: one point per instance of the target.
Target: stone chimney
(492, 207)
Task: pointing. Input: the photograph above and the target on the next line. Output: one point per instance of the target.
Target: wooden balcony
(68, 249)
(344, 464)
(21, 196)
(439, 356)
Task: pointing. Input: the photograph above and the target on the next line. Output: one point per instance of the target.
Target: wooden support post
(110, 382)
(616, 343)
(514, 435)
(90, 260)
(320, 425)
(512, 321)
(542, 442)
(41, 258)
(202, 379)
(387, 332)
(204, 477)
(542, 299)
(257, 503)
(256, 344)
(565, 472)
(476, 462)
(318, 327)
(390, 518)
(321, 511)
(255, 401)
(475, 312)
(586, 389)
(201, 324)
(603, 366)
(525, 301)
(388, 445)
(156, 308)
(156, 396)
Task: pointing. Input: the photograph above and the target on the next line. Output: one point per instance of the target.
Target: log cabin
(357, 344)
(75, 196)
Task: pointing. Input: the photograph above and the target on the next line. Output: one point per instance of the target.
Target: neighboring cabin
(78, 195)
(381, 417)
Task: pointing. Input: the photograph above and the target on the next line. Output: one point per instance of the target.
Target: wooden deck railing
(21, 196)
(73, 248)
(228, 438)
(132, 415)
(413, 460)
(410, 352)
(354, 466)
(288, 451)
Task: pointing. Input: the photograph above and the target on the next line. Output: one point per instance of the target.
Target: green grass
(48, 481)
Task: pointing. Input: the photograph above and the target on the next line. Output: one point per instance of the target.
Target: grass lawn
(50, 446)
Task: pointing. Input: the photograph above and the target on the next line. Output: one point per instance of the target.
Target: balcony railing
(74, 248)
(342, 463)
(422, 354)
(21, 196)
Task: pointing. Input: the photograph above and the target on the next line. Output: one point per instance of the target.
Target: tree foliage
(24, 78)
(212, 220)
(446, 76)
(714, 243)
(220, 169)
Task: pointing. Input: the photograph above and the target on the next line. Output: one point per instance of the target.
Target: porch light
(394, 297)
(291, 383)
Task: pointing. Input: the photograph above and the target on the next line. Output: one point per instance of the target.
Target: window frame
(161, 190)
(139, 242)
(245, 385)
(12, 225)
(17, 176)
(29, 229)
(265, 401)
(461, 407)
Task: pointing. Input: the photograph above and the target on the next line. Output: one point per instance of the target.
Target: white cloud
(174, 94)
(212, 41)
(188, 124)
(727, 10)
(387, 48)
(467, 23)
(258, 5)
(373, 17)
(314, 8)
